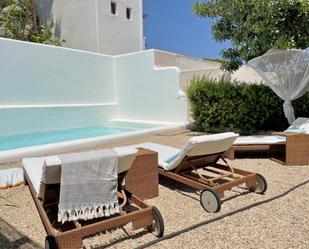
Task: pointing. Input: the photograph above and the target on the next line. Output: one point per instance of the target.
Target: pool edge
(61, 147)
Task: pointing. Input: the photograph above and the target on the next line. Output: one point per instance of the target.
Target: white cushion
(259, 139)
(164, 152)
(209, 144)
(299, 125)
(34, 168)
(42, 169)
(48, 169)
(196, 146)
(126, 157)
(11, 177)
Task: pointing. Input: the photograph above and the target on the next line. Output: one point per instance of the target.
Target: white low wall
(187, 75)
(38, 74)
(47, 88)
(164, 58)
(145, 92)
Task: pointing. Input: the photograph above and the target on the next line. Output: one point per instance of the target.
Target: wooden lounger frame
(295, 151)
(71, 238)
(222, 177)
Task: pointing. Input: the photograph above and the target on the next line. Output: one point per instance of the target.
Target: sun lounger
(290, 147)
(44, 184)
(204, 152)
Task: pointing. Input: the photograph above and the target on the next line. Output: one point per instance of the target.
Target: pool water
(25, 140)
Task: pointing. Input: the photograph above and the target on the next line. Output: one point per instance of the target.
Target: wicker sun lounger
(70, 234)
(204, 152)
(290, 147)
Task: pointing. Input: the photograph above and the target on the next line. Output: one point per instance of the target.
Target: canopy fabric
(286, 72)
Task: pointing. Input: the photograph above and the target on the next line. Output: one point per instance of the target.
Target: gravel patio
(278, 219)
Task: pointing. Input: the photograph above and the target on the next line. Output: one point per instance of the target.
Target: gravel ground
(278, 219)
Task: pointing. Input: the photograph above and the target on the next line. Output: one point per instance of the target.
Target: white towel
(88, 187)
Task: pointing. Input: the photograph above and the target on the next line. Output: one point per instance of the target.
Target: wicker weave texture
(297, 150)
(142, 179)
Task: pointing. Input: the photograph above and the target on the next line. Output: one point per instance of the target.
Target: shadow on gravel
(175, 186)
(223, 216)
(187, 191)
(115, 241)
(11, 238)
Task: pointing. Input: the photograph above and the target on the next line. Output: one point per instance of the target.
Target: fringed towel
(88, 185)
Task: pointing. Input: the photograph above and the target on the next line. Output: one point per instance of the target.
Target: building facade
(105, 26)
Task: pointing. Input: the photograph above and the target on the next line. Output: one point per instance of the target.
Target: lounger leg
(230, 154)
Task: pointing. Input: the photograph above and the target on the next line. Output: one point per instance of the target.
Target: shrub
(222, 105)
(19, 20)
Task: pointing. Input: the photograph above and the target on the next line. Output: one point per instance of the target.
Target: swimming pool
(16, 147)
(39, 138)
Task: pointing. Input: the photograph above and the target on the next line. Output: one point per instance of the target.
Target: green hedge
(222, 105)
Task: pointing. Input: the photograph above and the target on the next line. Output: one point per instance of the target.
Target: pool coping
(61, 147)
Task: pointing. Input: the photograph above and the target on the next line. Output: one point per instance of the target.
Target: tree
(255, 26)
(19, 20)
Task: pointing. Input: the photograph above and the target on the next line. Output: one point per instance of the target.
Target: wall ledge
(56, 105)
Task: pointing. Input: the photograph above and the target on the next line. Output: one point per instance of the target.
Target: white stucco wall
(246, 74)
(187, 75)
(90, 25)
(48, 88)
(189, 67)
(165, 58)
(146, 92)
(45, 88)
(117, 34)
(53, 75)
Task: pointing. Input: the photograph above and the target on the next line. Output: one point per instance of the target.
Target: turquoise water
(25, 140)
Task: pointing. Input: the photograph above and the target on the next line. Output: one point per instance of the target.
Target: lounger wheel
(210, 200)
(261, 184)
(50, 243)
(157, 227)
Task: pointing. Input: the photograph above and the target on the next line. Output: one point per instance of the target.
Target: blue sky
(172, 26)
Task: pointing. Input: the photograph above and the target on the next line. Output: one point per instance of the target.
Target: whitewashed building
(114, 27)
(105, 26)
